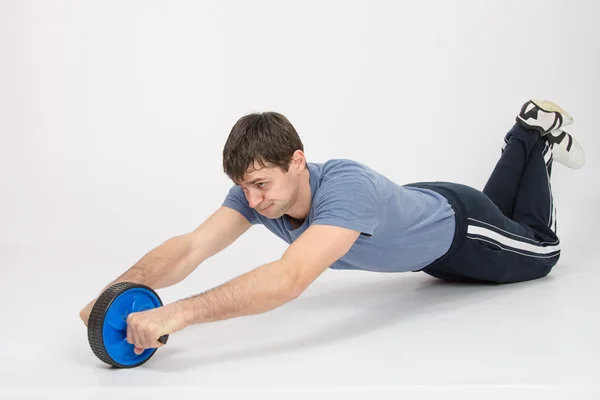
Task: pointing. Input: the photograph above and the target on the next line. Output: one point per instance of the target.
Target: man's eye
(261, 184)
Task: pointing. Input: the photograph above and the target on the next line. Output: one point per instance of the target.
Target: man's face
(270, 190)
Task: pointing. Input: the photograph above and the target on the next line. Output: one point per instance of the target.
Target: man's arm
(176, 258)
(272, 284)
(216, 233)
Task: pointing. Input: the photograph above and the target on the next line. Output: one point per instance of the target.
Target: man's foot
(543, 116)
(565, 149)
(560, 146)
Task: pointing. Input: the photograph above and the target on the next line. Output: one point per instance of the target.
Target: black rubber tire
(96, 322)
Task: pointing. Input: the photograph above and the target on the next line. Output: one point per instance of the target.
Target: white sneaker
(565, 149)
(543, 116)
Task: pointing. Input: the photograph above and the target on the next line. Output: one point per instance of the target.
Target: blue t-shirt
(402, 228)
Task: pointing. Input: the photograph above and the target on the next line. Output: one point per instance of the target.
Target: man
(343, 215)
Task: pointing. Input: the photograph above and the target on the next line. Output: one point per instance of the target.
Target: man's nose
(254, 198)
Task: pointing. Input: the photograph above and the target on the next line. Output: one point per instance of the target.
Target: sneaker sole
(549, 106)
(573, 158)
(564, 117)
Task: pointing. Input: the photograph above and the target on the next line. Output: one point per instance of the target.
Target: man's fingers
(142, 334)
(132, 334)
(129, 334)
(139, 350)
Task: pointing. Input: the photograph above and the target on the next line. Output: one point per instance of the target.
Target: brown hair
(266, 137)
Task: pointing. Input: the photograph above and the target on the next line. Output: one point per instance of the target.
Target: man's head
(265, 156)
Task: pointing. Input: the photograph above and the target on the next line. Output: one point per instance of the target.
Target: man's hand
(84, 314)
(146, 327)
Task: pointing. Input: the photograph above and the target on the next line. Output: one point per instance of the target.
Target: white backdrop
(114, 115)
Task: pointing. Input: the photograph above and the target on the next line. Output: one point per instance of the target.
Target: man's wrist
(187, 312)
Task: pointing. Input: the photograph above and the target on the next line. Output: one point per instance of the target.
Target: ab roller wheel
(107, 325)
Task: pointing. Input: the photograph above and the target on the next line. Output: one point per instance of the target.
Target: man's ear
(298, 161)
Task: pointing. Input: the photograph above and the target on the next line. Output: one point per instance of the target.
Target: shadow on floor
(378, 304)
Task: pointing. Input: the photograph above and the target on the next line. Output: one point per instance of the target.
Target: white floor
(114, 116)
(351, 333)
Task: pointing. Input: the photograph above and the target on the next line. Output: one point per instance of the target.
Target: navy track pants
(507, 232)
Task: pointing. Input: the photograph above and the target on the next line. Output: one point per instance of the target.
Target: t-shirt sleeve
(236, 200)
(348, 201)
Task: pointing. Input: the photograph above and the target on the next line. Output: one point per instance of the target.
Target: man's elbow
(300, 280)
(296, 281)
(296, 286)
(296, 290)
